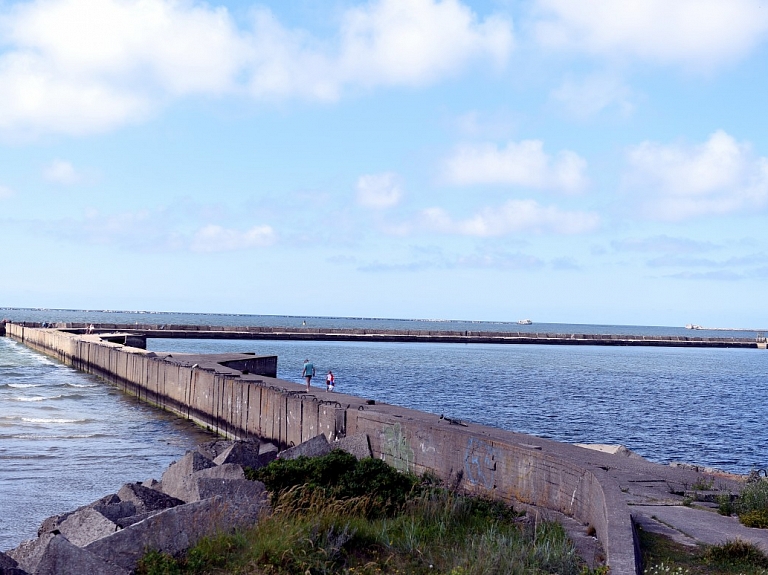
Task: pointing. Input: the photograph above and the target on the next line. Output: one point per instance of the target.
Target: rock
(153, 484)
(222, 473)
(146, 499)
(116, 511)
(9, 566)
(358, 445)
(177, 478)
(51, 524)
(242, 491)
(176, 529)
(212, 449)
(315, 447)
(61, 557)
(265, 448)
(86, 525)
(245, 453)
(29, 553)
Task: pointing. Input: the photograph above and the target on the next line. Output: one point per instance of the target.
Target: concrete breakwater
(226, 394)
(385, 335)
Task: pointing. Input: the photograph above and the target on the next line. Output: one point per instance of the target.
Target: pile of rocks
(202, 494)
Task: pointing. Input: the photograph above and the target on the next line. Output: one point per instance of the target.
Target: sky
(592, 162)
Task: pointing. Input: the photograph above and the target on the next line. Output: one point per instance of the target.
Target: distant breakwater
(410, 336)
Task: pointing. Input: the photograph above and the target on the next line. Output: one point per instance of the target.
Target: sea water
(67, 438)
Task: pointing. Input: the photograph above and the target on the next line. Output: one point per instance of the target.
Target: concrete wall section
(480, 460)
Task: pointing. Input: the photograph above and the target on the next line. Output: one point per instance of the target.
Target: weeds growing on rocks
(335, 515)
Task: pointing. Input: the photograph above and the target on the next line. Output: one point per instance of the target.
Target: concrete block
(174, 530)
(358, 445)
(212, 449)
(243, 491)
(246, 454)
(116, 511)
(61, 557)
(146, 499)
(314, 447)
(29, 553)
(85, 526)
(176, 479)
(9, 566)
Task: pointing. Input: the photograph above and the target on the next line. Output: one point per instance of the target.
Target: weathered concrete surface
(394, 335)
(176, 529)
(597, 489)
(358, 445)
(29, 553)
(314, 447)
(61, 557)
(9, 566)
(85, 526)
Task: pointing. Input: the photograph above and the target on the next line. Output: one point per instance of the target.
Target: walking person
(329, 381)
(308, 372)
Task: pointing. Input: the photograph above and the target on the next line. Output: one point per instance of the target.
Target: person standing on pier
(308, 372)
(329, 381)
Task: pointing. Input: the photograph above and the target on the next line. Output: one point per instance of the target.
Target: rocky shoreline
(202, 494)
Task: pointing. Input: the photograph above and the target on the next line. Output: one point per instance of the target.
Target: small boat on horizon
(524, 322)
(692, 326)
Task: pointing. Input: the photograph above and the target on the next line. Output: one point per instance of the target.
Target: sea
(68, 438)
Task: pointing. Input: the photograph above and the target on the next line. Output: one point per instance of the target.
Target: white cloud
(512, 217)
(592, 95)
(378, 191)
(676, 182)
(80, 66)
(521, 164)
(417, 41)
(5, 192)
(697, 33)
(61, 172)
(214, 238)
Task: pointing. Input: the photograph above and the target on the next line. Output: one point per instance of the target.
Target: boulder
(116, 511)
(146, 499)
(86, 525)
(61, 557)
(29, 553)
(176, 529)
(358, 445)
(9, 566)
(177, 478)
(221, 473)
(241, 491)
(247, 454)
(315, 447)
(212, 449)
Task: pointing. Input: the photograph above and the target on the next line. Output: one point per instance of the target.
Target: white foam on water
(24, 385)
(51, 420)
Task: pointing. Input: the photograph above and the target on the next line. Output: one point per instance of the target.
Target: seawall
(216, 393)
(384, 335)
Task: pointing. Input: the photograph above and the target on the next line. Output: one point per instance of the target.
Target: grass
(335, 515)
(662, 556)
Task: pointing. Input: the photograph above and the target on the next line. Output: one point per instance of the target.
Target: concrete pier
(236, 395)
(382, 335)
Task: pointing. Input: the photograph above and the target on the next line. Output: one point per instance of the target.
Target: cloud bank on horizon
(593, 162)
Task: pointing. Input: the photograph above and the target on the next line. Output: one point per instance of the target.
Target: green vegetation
(335, 515)
(751, 506)
(662, 556)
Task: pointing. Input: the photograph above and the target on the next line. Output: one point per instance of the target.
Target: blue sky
(581, 162)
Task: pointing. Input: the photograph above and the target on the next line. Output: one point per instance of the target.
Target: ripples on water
(67, 439)
(703, 406)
